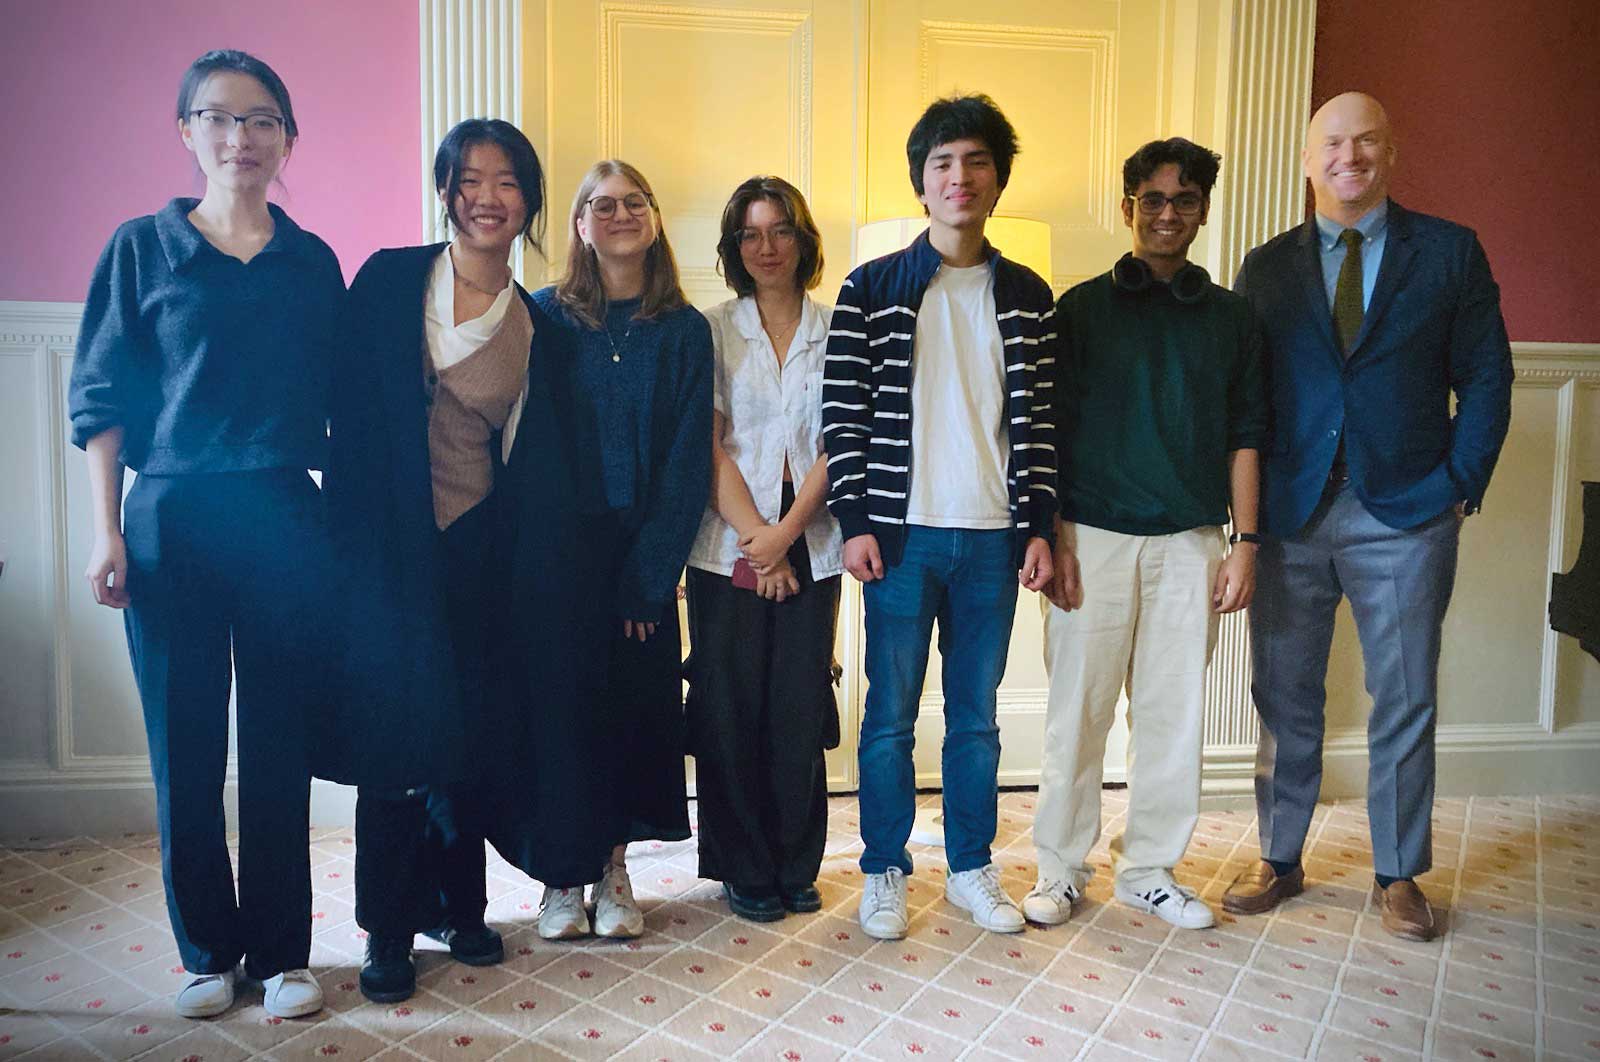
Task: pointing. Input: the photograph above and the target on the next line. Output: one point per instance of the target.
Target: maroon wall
(1496, 109)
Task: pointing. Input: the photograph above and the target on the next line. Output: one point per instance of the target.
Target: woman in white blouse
(763, 579)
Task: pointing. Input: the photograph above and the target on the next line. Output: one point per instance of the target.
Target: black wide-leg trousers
(225, 576)
(760, 713)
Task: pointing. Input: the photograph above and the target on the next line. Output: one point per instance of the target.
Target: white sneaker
(883, 905)
(292, 994)
(1049, 903)
(205, 995)
(979, 892)
(616, 913)
(1171, 901)
(561, 914)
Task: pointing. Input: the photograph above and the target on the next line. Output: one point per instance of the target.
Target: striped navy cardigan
(866, 394)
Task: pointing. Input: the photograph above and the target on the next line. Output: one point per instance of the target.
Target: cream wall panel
(27, 585)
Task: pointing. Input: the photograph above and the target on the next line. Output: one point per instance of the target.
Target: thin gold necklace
(468, 280)
(616, 352)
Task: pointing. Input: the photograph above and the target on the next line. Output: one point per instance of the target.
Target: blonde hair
(581, 291)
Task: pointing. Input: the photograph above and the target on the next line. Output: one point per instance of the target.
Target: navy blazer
(1433, 329)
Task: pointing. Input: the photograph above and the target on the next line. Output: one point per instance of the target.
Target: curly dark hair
(1196, 165)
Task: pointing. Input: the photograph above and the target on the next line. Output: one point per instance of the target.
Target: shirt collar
(747, 319)
(183, 243)
(927, 260)
(1370, 225)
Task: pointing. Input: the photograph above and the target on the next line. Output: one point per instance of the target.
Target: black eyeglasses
(1185, 203)
(219, 124)
(605, 206)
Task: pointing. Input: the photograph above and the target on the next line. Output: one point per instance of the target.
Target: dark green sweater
(1152, 395)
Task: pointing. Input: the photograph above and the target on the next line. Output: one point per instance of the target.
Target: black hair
(973, 117)
(447, 162)
(222, 60)
(792, 205)
(1196, 165)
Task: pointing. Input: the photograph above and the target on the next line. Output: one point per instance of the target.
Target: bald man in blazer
(1375, 317)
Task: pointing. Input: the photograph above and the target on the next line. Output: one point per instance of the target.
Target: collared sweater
(866, 395)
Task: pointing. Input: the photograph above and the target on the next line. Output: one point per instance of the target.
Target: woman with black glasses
(202, 364)
(631, 361)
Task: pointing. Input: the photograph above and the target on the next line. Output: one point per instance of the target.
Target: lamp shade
(1022, 240)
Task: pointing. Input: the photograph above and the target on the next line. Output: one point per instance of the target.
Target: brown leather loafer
(1406, 913)
(1260, 889)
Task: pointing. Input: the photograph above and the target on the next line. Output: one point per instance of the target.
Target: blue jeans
(967, 580)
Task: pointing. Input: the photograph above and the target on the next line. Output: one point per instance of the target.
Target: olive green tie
(1347, 311)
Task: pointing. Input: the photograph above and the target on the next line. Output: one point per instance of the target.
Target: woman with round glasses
(632, 361)
(763, 578)
(202, 364)
(435, 388)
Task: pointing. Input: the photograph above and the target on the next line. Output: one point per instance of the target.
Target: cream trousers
(1145, 624)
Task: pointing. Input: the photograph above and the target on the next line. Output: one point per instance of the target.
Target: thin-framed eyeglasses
(780, 236)
(1185, 203)
(217, 124)
(604, 207)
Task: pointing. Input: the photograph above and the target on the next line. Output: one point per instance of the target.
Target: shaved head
(1349, 153)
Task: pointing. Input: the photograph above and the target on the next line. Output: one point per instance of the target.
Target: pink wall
(1496, 107)
(90, 89)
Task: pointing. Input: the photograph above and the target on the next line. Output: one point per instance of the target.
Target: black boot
(388, 975)
(477, 946)
(800, 898)
(758, 905)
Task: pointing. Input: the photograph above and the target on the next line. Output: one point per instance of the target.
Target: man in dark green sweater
(1161, 413)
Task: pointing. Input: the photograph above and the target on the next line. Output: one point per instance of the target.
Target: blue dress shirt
(1374, 228)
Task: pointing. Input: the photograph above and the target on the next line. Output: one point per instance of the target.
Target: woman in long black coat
(438, 369)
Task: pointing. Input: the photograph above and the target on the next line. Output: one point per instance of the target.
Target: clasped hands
(767, 550)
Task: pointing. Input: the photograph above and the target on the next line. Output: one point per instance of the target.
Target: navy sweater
(207, 363)
(640, 420)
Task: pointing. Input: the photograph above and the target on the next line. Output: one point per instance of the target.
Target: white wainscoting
(1520, 704)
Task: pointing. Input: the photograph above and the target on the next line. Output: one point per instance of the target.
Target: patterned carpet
(87, 964)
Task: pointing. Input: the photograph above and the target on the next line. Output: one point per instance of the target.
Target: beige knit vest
(469, 402)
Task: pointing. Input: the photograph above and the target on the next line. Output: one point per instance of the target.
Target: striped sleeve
(1042, 457)
(847, 407)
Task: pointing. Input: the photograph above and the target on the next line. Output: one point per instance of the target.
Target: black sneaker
(758, 905)
(801, 899)
(477, 946)
(388, 975)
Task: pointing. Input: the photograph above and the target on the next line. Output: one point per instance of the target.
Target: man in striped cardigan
(941, 472)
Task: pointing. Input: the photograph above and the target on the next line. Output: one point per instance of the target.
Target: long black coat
(398, 719)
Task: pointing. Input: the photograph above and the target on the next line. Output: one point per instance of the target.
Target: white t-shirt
(960, 439)
(774, 415)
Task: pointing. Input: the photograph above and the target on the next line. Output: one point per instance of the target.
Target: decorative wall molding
(1269, 103)
(471, 68)
(1100, 47)
(795, 25)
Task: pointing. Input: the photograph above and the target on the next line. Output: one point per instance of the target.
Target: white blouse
(449, 342)
(773, 414)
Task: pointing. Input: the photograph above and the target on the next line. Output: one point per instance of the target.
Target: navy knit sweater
(207, 363)
(638, 402)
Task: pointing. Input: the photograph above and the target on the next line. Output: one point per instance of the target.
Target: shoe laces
(883, 890)
(559, 898)
(615, 885)
(295, 977)
(201, 979)
(386, 949)
(1169, 891)
(987, 881)
(1060, 891)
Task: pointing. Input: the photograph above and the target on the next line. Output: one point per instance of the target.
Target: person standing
(631, 370)
(417, 445)
(763, 579)
(203, 365)
(1160, 416)
(941, 469)
(1375, 316)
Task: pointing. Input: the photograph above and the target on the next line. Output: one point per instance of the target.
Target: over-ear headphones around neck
(1133, 275)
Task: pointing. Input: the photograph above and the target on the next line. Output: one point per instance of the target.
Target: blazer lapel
(1398, 250)
(1314, 290)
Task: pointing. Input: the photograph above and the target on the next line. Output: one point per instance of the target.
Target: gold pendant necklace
(616, 352)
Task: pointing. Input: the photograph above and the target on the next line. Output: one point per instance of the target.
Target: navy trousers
(225, 573)
(1399, 585)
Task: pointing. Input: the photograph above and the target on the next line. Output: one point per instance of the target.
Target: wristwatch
(1245, 536)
